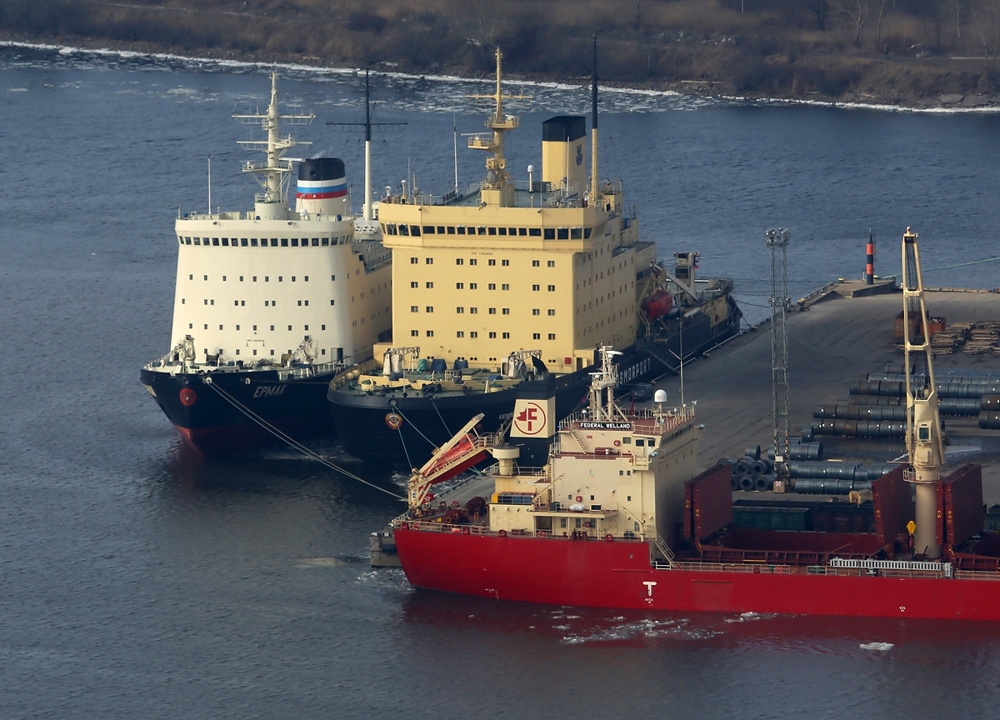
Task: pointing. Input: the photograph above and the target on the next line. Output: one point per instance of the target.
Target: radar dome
(660, 396)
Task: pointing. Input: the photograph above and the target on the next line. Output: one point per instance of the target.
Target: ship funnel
(322, 188)
(563, 153)
(534, 423)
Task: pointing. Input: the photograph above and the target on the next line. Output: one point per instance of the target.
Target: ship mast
(602, 407)
(368, 212)
(923, 423)
(496, 189)
(275, 170)
(593, 130)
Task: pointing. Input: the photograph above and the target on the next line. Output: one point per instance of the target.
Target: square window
(552, 263)
(414, 333)
(552, 336)
(506, 311)
(429, 261)
(460, 334)
(430, 285)
(506, 336)
(536, 288)
(459, 286)
(535, 263)
(505, 263)
(491, 286)
(473, 286)
(505, 286)
(473, 311)
(492, 335)
(460, 310)
(473, 334)
(491, 262)
(536, 311)
(414, 308)
(551, 312)
(536, 336)
(430, 333)
(414, 261)
(414, 284)
(493, 311)
(430, 308)
(473, 261)
(459, 261)
(552, 288)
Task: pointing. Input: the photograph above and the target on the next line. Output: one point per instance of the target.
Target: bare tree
(985, 19)
(857, 12)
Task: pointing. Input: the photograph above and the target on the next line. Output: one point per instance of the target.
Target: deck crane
(924, 441)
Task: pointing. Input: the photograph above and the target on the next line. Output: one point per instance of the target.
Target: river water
(138, 581)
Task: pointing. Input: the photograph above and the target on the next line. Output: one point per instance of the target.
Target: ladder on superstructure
(777, 241)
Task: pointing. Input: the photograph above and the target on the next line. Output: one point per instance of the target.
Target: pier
(834, 338)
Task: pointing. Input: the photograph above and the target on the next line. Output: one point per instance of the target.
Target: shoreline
(956, 102)
(226, 58)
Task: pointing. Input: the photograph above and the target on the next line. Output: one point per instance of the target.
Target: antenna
(454, 136)
(593, 133)
(210, 184)
(367, 125)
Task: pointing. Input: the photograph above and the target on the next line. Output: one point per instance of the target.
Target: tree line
(784, 47)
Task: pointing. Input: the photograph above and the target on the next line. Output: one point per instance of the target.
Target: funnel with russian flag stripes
(322, 188)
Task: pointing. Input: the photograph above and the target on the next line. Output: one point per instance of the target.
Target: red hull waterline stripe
(596, 573)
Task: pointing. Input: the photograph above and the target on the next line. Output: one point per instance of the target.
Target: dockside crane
(924, 441)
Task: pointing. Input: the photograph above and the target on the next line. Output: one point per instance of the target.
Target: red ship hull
(618, 574)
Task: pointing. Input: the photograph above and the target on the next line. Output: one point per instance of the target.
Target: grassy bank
(904, 52)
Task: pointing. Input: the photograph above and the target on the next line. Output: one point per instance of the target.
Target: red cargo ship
(620, 518)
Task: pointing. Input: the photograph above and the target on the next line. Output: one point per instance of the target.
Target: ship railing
(345, 375)
(909, 565)
(750, 569)
(665, 551)
(991, 575)
(644, 419)
(471, 529)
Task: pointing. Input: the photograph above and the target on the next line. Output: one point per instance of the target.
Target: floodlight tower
(777, 241)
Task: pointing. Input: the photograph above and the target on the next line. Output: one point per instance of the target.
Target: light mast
(496, 189)
(275, 171)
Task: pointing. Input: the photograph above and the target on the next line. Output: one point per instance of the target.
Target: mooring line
(290, 440)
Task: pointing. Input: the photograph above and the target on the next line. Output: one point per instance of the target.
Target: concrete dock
(832, 342)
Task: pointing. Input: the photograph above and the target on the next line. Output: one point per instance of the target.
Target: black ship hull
(397, 428)
(205, 407)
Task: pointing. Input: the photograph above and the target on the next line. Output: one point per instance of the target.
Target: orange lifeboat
(658, 304)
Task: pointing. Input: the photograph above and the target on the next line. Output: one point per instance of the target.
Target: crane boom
(924, 441)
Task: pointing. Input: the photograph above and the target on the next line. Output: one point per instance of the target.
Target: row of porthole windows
(242, 303)
(221, 327)
(263, 242)
(267, 278)
(565, 233)
(222, 352)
